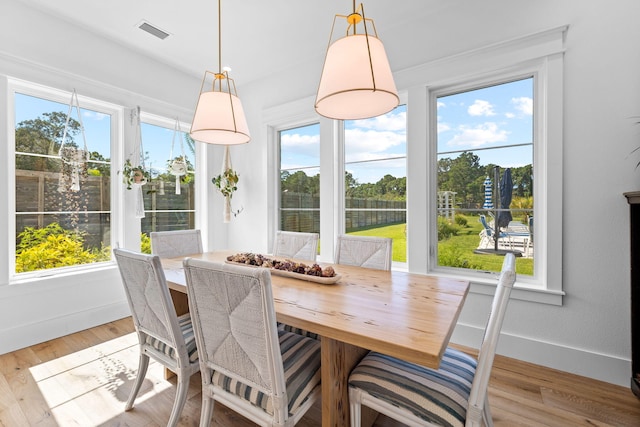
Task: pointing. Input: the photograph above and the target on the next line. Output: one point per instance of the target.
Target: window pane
(484, 135)
(166, 206)
(62, 207)
(300, 179)
(376, 178)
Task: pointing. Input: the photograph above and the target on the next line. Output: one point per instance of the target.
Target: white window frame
(116, 112)
(540, 55)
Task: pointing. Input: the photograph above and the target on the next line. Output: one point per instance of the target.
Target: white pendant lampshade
(356, 81)
(220, 119)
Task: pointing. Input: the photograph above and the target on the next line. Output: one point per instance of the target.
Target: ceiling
(259, 38)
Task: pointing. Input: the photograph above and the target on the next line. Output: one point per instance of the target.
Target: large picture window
(62, 197)
(300, 179)
(485, 147)
(169, 199)
(376, 178)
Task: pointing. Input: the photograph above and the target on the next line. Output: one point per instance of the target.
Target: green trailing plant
(226, 182)
(133, 174)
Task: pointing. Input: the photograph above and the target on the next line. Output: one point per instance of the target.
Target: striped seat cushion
(303, 332)
(439, 396)
(301, 360)
(186, 327)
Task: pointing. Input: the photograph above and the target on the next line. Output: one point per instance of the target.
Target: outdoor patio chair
(170, 244)
(364, 251)
(453, 395)
(298, 245)
(162, 336)
(272, 377)
(509, 237)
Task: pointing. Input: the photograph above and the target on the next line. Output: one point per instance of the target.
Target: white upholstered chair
(364, 251)
(453, 395)
(163, 336)
(298, 245)
(272, 377)
(169, 244)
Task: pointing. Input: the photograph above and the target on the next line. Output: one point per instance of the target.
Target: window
(376, 178)
(504, 78)
(300, 179)
(169, 199)
(485, 175)
(62, 207)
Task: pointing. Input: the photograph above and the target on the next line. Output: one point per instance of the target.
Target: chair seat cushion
(438, 396)
(301, 360)
(303, 332)
(184, 322)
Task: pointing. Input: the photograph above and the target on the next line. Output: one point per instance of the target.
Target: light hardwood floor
(83, 379)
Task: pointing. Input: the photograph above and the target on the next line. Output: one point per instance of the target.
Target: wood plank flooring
(84, 379)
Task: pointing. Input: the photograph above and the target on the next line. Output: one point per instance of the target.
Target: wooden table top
(409, 316)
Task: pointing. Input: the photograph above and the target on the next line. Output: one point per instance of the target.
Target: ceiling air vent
(145, 26)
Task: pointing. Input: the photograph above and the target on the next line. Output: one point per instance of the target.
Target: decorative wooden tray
(300, 276)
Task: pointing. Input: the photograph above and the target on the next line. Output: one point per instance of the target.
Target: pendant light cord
(220, 38)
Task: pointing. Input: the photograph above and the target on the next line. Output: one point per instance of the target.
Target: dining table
(406, 315)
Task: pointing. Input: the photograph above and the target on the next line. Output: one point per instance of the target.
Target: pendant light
(219, 117)
(356, 80)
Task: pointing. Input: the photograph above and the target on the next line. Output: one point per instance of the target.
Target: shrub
(145, 243)
(461, 220)
(52, 247)
(452, 256)
(446, 229)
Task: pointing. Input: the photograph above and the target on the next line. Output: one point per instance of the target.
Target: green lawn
(455, 251)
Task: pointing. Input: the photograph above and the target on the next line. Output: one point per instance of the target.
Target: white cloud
(371, 144)
(523, 104)
(443, 127)
(440, 104)
(481, 108)
(478, 136)
(386, 122)
(509, 115)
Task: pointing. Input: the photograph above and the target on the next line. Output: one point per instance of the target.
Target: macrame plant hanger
(74, 160)
(138, 155)
(178, 165)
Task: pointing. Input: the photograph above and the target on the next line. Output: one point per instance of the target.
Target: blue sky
(156, 140)
(476, 121)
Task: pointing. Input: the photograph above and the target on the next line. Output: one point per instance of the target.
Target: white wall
(588, 334)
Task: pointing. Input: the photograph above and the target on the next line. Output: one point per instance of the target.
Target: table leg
(338, 359)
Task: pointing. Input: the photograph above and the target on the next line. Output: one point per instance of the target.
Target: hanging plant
(226, 182)
(134, 175)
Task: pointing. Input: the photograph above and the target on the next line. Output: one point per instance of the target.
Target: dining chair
(453, 395)
(364, 251)
(272, 377)
(297, 245)
(174, 243)
(162, 336)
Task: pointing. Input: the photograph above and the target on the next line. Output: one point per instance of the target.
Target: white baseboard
(27, 335)
(603, 367)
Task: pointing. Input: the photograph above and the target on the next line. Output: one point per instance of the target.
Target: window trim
(45, 92)
(540, 55)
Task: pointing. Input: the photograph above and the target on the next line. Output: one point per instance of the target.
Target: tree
(43, 135)
(464, 175)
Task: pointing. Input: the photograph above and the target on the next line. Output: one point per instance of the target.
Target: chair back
(486, 355)
(170, 244)
(298, 245)
(483, 221)
(148, 295)
(364, 251)
(235, 326)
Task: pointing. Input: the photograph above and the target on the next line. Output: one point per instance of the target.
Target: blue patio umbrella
(506, 189)
(488, 194)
